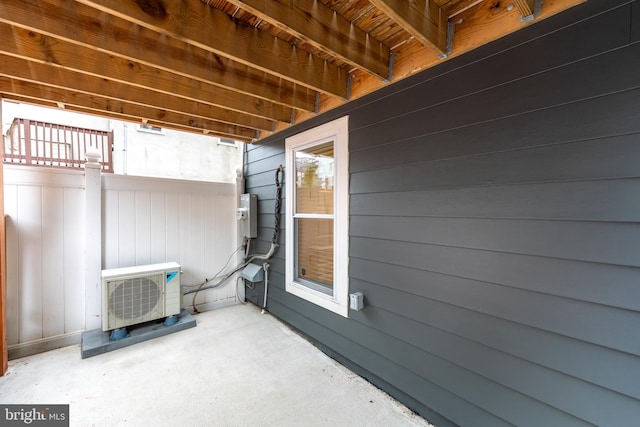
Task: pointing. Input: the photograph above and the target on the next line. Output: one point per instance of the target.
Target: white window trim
(140, 128)
(338, 131)
(233, 143)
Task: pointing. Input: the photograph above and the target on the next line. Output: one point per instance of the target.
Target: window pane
(314, 179)
(314, 260)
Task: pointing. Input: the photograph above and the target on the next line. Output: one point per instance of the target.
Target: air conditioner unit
(139, 294)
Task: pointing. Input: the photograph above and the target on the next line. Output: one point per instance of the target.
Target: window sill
(316, 297)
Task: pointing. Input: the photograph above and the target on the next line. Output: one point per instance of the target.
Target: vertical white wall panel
(126, 229)
(184, 243)
(172, 233)
(73, 269)
(13, 248)
(177, 221)
(212, 250)
(198, 239)
(158, 224)
(144, 220)
(29, 225)
(197, 242)
(143, 233)
(53, 263)
(110, 222)
(45, 282)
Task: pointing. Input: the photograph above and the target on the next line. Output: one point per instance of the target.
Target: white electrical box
(356, 301)
(248, 215)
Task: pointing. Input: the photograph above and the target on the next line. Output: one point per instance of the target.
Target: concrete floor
(236, 368)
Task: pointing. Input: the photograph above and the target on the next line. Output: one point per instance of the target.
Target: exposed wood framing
(44, 74)
(209, 29)
(318, 25)
(100, 32)
(240, 69)
(475, 26)
(29, 45)
(126, 111)
(425, 20)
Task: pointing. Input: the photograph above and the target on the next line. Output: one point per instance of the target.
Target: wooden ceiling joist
(36, 47)
(240, 69)
(321, 27)
(100, 32)
(125, 111)
(425, 20)
(200, 25)
(88, 84)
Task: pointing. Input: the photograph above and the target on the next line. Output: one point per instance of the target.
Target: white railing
(37, 143)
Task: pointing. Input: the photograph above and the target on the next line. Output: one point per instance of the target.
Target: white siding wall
(145, 220)
(149, 220)
(45, 235)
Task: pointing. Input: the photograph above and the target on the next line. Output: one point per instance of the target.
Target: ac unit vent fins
(135, 297)
(132, 295)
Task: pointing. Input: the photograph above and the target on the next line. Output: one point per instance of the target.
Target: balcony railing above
(36, 143)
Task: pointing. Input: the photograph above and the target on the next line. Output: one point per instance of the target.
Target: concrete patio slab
(238, 367)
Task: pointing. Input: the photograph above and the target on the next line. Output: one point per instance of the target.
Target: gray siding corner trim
(494, 229)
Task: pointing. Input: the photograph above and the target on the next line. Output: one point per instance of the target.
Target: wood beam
(35, 72)
(230, 133)
(33, 46)
(213, 30)
(488, 21)
(115, 116)
(95, 30)
(422, 19)
(316, 24)
(132, 112)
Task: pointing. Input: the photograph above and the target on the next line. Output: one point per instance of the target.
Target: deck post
(93, 239)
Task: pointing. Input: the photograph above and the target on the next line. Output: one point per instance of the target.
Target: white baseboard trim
(29, 348)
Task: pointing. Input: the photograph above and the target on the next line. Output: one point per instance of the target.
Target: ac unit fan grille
(136, 297)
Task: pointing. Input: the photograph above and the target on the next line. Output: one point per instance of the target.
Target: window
(227, 142)
(317, 252)
(150, 129)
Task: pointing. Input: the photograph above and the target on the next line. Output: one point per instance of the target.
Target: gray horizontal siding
(610, 115)
(441, 322)
(576, 240)
(494, 229)
(591, 282)
(594, 323)
(603, 200)
(312, 322)
(550, 163)
(466, 80)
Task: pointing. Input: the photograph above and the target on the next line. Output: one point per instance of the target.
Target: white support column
(93, 239)
(239, 236)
